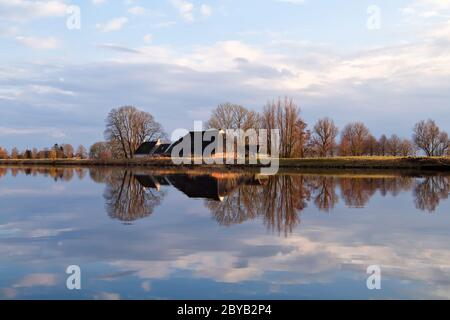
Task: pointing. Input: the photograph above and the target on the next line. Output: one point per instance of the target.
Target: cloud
(107, 296)
(99, 2)
(113, 25)
(30, 131)
(185, 9)
(426, 9)
(137, 10)
(38, 43)
(37, 280)
(292, 1)
(148, 38)
(116, 47)
(24, 10)
(206, 10)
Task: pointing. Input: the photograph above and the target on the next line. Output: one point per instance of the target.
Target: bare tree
(353, 139)
(324, 137)
(407, 148)
(430, 139)
(3, 153)
(100, 151)
(34, 153)
(284, 115)
(15, 154)
(127, 128)
(68, 150)
(233, 116)
(81, 152)
(371, 147)
(383, 145)
(394, 145)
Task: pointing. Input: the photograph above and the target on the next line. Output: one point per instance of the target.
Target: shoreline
(351, 163)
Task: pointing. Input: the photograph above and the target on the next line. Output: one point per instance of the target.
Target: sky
(65, 64)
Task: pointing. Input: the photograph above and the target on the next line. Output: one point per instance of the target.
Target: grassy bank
(417, 163)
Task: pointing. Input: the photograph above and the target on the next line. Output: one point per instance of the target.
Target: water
(162, 235)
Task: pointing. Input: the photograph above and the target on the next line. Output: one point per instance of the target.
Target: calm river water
(166, 235)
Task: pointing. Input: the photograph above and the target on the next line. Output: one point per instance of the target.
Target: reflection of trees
(127, 200)
(278, 200)
(323, 191)
(394, 185)
(237, 207)
(283, 198)
(56, 173)
(356, 192)
(430, 191)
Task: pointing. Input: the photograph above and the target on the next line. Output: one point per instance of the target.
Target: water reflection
(185, 235)
(233, 198)
(430, 191)
(127, 199)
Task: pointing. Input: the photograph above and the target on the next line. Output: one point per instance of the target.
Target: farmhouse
(152, 149)
(212, 142)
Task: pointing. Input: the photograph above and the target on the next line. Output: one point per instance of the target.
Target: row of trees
(127, 128)
(325, 139)
(63, 151)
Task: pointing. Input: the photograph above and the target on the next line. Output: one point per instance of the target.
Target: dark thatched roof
(146, 148)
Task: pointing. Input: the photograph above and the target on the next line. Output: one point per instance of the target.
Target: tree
(383, 145)
(353, 139)
(128, 127)
(81, 152)
(3, 153)
(285, 116)
(394, 145)
(15, 153)
(371, 146)
(233, 116)
(53, 154)
(407, 148)
(58, 152)
(430, 139)
(68, 150)
(100, 151)
(324, 137)
(34, 153)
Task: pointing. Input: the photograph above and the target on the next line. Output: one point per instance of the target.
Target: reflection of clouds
(9, 293)
(308, 261)
(410, 247)
(37, 280)
(146, 286)
(54, 190)
(29, 229)
(107, 296)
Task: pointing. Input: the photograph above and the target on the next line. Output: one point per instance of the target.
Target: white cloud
(107, 296)
(425, 9)
(37, 280)
(23, 10)
(99, 2)
(14, 131)
(38, 43)
(292, 1)
(205, 10)
(137, 10)
(113, 25)
(185, 9)
(148, 38)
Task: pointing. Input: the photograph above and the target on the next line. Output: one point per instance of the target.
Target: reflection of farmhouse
(199, 186)
(210, 141)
